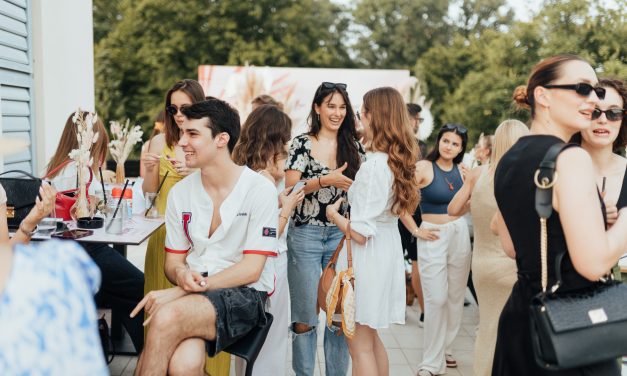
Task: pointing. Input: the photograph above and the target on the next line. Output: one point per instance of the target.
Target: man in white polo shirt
(221, 227)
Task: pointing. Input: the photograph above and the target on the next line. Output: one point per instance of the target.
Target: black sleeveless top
(514, 190)
(622, 198)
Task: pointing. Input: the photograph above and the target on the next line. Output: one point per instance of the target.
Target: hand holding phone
(299, 184)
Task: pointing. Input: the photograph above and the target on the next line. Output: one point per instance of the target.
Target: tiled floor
(404, 343)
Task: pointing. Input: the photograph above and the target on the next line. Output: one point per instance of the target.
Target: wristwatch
(27, 233)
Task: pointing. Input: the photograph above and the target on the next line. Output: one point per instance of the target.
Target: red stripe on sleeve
(264, 253)
(177, 251)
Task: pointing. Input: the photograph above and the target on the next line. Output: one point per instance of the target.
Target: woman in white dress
(384, 188)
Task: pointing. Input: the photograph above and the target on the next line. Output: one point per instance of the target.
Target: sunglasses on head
(331, 85)
(613, 114)
(581, 88)
(454, 127)
(172, 109)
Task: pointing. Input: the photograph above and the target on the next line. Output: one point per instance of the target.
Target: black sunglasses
(172, 109)
(454, 127)
(613, 114)
(581, 88)
(331, 85)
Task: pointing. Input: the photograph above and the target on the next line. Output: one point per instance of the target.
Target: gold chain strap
(543, 251)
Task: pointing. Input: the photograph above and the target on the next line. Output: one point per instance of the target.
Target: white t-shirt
(249, 225)
(3, 195)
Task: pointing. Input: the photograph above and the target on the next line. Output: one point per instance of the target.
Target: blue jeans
(310, 248)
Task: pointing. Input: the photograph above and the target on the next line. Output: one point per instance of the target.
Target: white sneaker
(424, 372)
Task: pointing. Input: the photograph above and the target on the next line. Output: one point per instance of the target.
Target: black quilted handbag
(21, 195)
(579, 328)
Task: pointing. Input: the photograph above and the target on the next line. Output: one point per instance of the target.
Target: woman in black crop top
(562, 93)
(443, 248)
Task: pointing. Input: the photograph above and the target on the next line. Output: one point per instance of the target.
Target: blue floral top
(48, 323)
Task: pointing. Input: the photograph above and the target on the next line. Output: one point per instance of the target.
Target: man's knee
(300, 328)
(166, 317)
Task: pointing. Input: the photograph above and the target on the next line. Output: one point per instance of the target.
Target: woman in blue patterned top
(47, 312)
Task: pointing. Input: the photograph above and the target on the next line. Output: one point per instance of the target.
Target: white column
(63, 61)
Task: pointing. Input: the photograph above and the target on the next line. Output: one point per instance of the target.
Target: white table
(136, 230)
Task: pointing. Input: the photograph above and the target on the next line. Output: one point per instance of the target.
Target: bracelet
(27, 233)
(320, 182)
(413, 233)
(284, 217)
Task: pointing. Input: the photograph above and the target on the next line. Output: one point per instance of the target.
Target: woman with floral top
(327, 159)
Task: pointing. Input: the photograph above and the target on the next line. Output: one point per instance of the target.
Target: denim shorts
(238, 311)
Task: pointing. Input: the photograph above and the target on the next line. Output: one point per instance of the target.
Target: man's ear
(223, 139)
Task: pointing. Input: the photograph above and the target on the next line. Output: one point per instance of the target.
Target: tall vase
(119, 173)
(80, 208)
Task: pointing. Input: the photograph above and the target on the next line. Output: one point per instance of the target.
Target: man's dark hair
(220, 115)
(413, 109)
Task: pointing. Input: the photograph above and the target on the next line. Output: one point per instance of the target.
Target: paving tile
(464, 343)
(118, 364)
(396, 357)
(410, 341)
(413, 356)
(404, 370)
(389, 341)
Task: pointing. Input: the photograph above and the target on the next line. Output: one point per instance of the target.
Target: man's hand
(155, 300)
(190, 281)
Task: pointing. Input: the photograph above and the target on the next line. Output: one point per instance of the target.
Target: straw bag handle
(349, 248)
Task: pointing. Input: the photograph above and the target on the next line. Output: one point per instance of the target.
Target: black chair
(249, 346)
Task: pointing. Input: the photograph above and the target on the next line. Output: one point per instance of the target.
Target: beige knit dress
(493, 272)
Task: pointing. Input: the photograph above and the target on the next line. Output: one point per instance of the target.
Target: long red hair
(392, 134)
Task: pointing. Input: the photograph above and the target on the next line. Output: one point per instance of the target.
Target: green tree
(394, 33)
(154, 43)
(470, 80)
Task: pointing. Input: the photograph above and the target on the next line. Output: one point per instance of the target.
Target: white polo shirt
(249, 225)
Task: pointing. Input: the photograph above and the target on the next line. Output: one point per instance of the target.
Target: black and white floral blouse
(312, 210)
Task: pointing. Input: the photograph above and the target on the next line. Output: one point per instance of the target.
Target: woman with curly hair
(384, 189)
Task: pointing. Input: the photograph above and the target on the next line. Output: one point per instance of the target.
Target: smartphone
(298, 185)
(72, 234)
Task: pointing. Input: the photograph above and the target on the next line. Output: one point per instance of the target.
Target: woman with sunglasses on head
(165, 157)
(384, 189)
(562, 93)
(443, 246)
(326, 158)
(493, 273)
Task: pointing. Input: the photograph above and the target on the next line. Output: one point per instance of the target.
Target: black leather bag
(578, 328)
(21, 195)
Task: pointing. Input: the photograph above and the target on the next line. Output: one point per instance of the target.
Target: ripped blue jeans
(310, 248)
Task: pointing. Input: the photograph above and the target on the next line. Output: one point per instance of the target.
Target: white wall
(63, 57)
